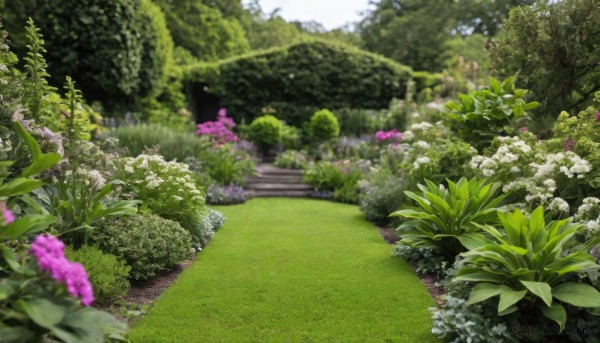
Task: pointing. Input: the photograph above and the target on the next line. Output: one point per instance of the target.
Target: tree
(554, 47)
(202, 29)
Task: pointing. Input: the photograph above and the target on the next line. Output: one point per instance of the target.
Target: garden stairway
(271, 181)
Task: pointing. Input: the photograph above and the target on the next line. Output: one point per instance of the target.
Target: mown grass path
(292, 270)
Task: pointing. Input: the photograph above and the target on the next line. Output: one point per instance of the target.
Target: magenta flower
(219, 130)
(598, 116)
(392, 136)
(524, 129)
(7, 214)
(50, 254)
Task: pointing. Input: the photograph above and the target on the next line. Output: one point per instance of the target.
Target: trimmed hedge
(298, 80)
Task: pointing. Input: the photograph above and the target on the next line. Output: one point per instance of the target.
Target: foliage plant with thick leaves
(532, 266)
(445, 220)
(32, 305)
(499, 110)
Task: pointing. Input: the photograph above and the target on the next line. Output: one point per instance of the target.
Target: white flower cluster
(423, 126)
(569, 164)
(92, 178)
(589, 214)
(421, 145)
(423, 160)
(512, 150)
(5, 146)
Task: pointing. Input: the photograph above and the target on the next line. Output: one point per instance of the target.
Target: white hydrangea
(559, 205)
(423, 126)
(422, 145)
(408, 135)
(421, 161)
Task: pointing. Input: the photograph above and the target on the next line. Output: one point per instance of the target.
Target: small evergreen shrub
(108, 274)
(225, 195)
(217, 219)
(147, 242)
(324, 126)
(383, 194)
(266, 131)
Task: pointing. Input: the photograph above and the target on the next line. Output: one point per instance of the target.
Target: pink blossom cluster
(7, 215)
(598, 116)
(50, 254)
(219, 130)
(392, 136)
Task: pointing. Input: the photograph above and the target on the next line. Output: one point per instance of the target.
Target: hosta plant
(532, 266)
(445, 219)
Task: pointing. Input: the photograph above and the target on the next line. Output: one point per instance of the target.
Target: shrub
(445, 220)
(299, 79)
(226, 164)
(528, 267)
(166, 188)
(425, 260)
(108, 275)
(338, 178)
(225, 195)
(497, 111)
(266, 131)
(112, 48)
(292, 159)
(382, 195)
(323, 126)
(146, 242)
(291, 137)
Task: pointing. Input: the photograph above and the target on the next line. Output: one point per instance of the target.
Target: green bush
(108, 275)
(532, 266)
(446, 219)
(147, 242)
(266, 131)
(383, 195)
(338, 178)
(292, 159)
(226, 164)
(299, 79)
(480, 116)
(291, 137)
(116, 50)
(323, 126)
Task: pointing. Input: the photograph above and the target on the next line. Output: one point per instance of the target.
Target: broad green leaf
(473, 240)
(557, 313)
(31, 143)
(10, 258)
(27, 225)
(20, 186)
(43, 312)
(578, 294)
(509, 310)
(484, 291)
(17, 334)
(541, 289)
(510, 297)
(42, 163)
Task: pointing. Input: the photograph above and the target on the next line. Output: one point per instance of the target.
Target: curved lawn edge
(293, 270)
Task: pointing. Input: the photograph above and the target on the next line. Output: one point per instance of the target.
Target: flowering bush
(226, 164)
(339, 178)
(225, 195)
(383, 193)
(217, 219)
(220, 130)
(292, 159)
(166, 188)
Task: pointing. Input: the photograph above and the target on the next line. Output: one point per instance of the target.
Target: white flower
(128, 169)
(559, 205)
(423, 126)
(422, 145)
(515, 169)
(98, 181)
(421, 160)
(408, 135)
(177, 197)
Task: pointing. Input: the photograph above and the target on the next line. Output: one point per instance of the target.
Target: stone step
(275, 179)
(279, 186)
(269, 169)
(280, 194)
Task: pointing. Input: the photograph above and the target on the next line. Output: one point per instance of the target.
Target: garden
(202, 171)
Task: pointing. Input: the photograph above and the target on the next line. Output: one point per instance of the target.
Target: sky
(331, 13)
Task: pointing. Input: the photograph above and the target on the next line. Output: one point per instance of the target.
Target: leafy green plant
(479, 116)
(33, 305)
(266, 131)
(226, 164)
(446, 220)
(291, 137)
(292, 159)
(531, 265)
(79, 201)
(382, 195)
(323, 126)
(108, 275)
(147, 242)
(338, 178)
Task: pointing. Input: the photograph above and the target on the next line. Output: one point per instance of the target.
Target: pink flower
(7, 214)
(598, 116)
(392, 136)
(50, 254)
(219, 130)
(524, 129)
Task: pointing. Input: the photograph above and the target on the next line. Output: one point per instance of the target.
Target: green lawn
(287, 270)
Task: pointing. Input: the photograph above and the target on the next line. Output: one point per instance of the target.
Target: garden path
(292, 270)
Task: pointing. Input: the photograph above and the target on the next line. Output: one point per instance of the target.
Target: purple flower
(598, 116)
(524, 129)
(50, 254)
(219, 130)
